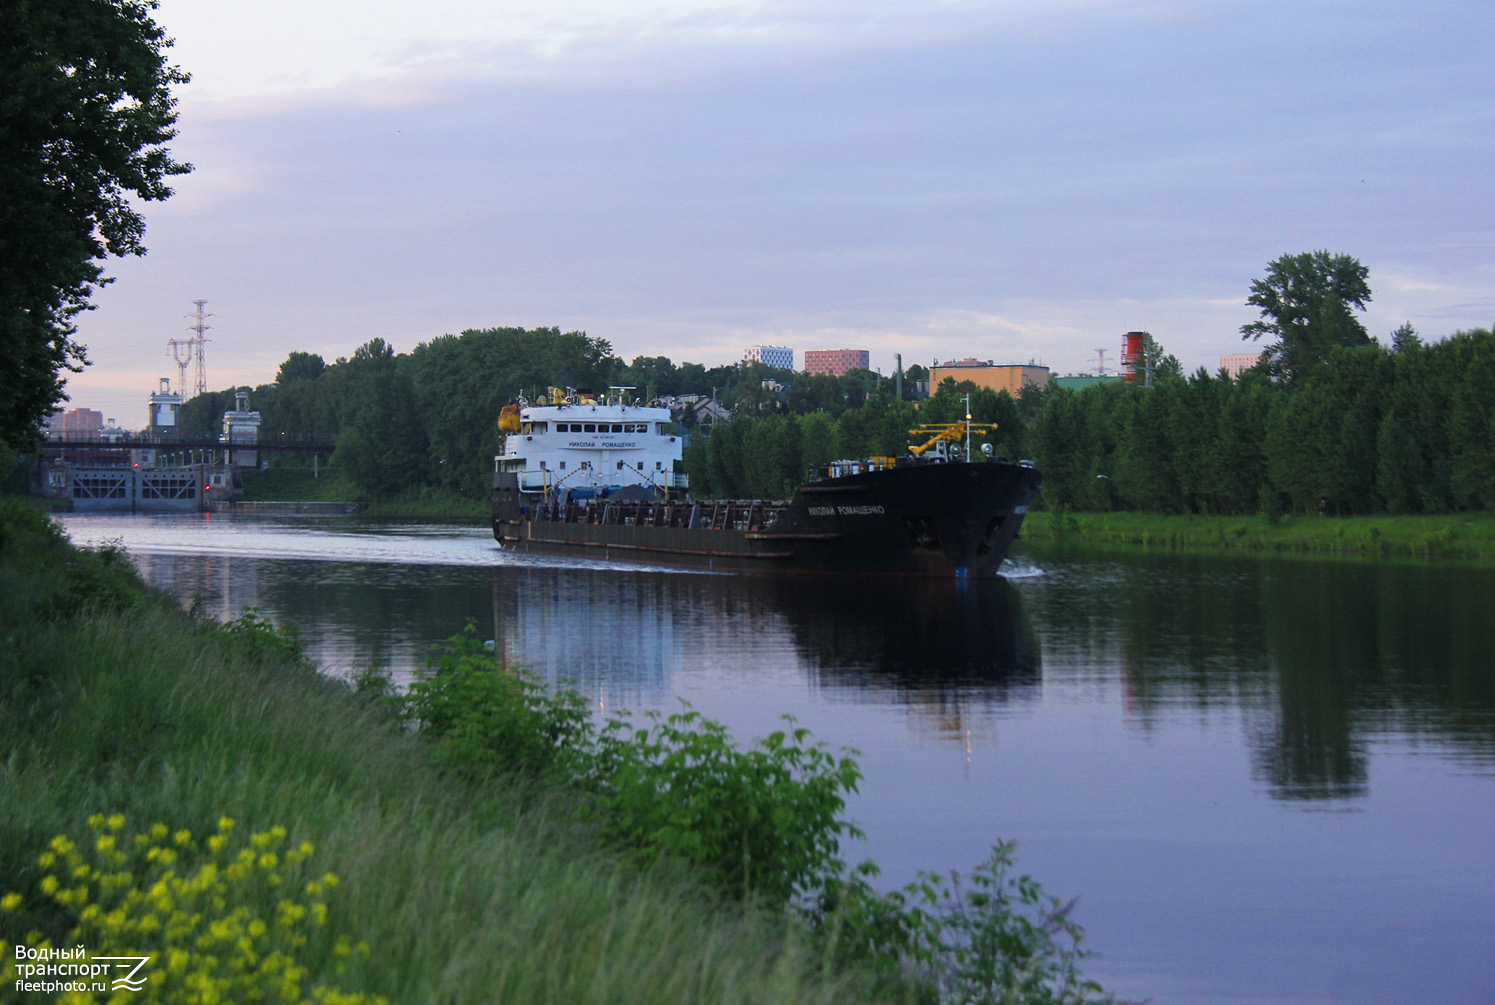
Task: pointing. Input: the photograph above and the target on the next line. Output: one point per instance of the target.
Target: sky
(1015, 181)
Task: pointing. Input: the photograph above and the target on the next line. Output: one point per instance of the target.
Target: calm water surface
(1268, 782)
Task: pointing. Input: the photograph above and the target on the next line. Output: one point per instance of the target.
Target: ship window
(659, 428)
(563, 465)
(542, 465)
(620, 465)
(617, 428)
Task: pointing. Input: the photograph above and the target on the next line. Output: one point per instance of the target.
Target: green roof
(1076, 383)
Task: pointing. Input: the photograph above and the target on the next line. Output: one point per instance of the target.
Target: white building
(241, 426)
(776, 356)
(1239, 363)
(163, 412)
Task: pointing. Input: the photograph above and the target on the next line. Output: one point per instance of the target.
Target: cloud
(1014, 180)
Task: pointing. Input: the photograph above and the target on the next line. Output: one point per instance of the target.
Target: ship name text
(846, 510)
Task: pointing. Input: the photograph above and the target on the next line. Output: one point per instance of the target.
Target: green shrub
(254, 638)
(488, 719)
(989, 938)
(765, 822)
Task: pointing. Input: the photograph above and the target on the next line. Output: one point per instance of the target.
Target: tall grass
(1446, 537)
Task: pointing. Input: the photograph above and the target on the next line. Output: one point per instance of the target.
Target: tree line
(403, 421)
(1364, 430)
(1329, 421)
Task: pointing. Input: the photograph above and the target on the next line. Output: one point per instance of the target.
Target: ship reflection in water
(642, 639)
(628, 638)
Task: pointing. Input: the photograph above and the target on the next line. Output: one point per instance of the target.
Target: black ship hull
(914, 519)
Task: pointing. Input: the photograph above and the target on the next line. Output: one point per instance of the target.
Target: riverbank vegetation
(198, 793)
(331, 484)
(1453, 537)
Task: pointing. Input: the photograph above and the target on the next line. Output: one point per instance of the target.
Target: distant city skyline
(1006, 180)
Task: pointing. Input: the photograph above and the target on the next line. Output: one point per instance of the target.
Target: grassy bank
(118, 707)
(1464, 536)
(329, 484)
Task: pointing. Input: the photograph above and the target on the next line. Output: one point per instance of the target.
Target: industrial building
(1009, 377)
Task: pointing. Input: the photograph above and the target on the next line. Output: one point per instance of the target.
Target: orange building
(836, 362)
(1009, 377)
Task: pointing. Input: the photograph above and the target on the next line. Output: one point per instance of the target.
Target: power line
(194, 348)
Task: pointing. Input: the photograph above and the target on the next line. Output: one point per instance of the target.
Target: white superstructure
(582, 443)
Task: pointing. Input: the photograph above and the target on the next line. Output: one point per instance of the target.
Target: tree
(300, 366)
(1306, 304)
(1405, 338)
(1164, 365)
(382, 445)
(84, 117)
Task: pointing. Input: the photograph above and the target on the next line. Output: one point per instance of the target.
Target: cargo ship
(600, 479)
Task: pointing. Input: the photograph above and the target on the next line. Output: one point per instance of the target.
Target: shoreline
(1464, 537)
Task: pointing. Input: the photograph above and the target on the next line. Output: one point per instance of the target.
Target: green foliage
(217, 919)
(91, 582)
(300, 366)
(85, 117)
(765, 822)
(490, 720)
(987, 938)
(1306, 304)
(256, 639)
(382, 445)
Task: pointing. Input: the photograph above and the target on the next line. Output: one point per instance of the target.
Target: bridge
(281, 443)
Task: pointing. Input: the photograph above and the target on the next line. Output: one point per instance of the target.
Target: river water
(1267, 781)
